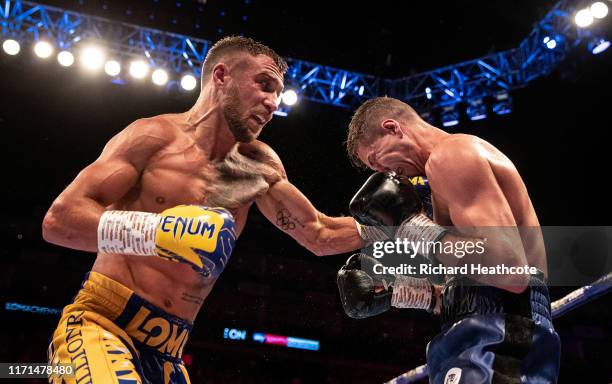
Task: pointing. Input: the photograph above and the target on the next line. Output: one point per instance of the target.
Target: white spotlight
(159, 77)
(598, 45)
(43, 49)
(11, 47)
(583, 18)
(551, 44)
(188, 82)
(139, 69)
(599, 10)
(65, 58)
(92, 58)
(112, 68)
(290, 97)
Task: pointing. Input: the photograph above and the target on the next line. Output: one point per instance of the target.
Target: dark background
(55, 121)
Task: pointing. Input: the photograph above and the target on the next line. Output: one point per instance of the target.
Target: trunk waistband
(464, 297)
(147, 325)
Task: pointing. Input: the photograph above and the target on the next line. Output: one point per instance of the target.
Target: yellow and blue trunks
(111, 335)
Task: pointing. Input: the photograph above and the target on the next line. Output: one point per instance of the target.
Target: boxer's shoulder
(164, 127)
(139, 141)
(263, 153)
(150, 132)
(456, 150)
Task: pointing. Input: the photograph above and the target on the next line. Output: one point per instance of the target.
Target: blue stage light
(450, 116)
(477, 109)
(598, 45)
(502, 104)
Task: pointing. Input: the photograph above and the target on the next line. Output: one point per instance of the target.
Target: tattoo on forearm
(192, 299)
(286, 221)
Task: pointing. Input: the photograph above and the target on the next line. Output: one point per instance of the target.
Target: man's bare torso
(181, 173)
(509, 180)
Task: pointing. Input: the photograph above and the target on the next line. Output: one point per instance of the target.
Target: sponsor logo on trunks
(453, 376)
(74, 345)
(158, 333)
(121, 362)
(120, 359)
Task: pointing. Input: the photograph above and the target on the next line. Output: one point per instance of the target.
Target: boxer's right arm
(72, 221)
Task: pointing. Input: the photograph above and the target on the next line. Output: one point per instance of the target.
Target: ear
(391, 127)
(219, 74)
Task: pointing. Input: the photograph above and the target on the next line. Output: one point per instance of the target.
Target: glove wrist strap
(370, 234)
(412, 292)
(421, 229)
(128, 232)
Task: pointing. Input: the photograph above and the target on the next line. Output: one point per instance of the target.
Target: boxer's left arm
(290, 211)
(478, 208)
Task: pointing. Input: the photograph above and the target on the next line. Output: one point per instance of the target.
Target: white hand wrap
(412, 292)
(420, 229)
(128, 232)
(370, 233)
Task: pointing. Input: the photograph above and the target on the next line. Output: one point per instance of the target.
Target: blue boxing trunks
(493, 336)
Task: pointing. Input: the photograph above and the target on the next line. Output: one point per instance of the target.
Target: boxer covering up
(489, 335)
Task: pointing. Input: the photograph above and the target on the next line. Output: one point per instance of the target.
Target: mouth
(259, 119)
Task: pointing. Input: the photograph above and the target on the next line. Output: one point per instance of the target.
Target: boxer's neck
(209, 126)
(424, 139)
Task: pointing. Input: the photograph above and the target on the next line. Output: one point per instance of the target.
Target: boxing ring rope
(559, 308)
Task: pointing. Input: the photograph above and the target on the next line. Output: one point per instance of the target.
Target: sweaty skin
(473, 185)
(194, 158)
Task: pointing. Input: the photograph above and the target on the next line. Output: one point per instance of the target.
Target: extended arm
(290, 211)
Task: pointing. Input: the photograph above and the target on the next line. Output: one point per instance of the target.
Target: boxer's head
(382, 136)
(247, 78)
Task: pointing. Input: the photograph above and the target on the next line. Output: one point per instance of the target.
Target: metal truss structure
(500, 72)
(475, 79)
(67, 30)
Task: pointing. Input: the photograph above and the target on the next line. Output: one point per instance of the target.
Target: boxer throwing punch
(157, 258)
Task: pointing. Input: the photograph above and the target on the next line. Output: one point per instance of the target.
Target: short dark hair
(365, 120)
(232, 44)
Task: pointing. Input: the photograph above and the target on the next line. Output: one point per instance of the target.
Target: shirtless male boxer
(495, 329)
(132, 317)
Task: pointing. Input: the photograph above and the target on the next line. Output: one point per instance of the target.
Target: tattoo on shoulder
(286, 221)
(192, 299)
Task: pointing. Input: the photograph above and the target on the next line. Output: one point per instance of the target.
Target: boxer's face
(388, 152)
(251, 95)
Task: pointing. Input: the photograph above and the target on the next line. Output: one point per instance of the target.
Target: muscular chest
(186, 176)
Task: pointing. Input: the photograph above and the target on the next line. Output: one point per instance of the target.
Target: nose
(270, 103)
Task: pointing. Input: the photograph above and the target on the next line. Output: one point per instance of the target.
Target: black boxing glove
(391, 203)
(366, 292)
